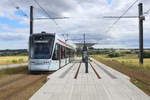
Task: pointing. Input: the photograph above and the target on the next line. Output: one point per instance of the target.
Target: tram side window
(62, 52)
(56, 53)
(66, 52)
(65, 56)
(71, 53)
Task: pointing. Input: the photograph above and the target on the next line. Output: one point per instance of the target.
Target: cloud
(10, 37)
(85, 17)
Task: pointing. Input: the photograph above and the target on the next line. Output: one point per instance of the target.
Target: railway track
(25, 86)
(98, 76)
(4, 84)
(17, 85)
(76, 75)
(77, 72)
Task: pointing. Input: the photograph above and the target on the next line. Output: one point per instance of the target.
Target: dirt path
(12, 65)
(20, 86)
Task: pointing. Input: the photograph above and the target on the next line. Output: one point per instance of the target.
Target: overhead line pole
(31, 20)
(84, 38)
(31, 28)
(141, 18)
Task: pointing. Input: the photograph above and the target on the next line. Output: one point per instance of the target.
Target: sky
(85, 16)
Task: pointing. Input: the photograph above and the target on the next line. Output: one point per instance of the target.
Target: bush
(97, 52)
(19, 52)
(127, 52)
(146, 54)
(14, 61)
(115, 54)
(20, 60)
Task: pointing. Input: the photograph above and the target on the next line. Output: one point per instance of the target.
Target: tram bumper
(39, 65)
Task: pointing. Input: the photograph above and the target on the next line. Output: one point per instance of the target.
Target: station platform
(101, 83)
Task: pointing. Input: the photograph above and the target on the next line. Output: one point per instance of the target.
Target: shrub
(20, 60)
(115, 54)
(97, 52)
(127, 52)
(14, 61)
(146, 54)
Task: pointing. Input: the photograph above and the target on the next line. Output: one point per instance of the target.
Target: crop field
(128, 64)
(6, 60)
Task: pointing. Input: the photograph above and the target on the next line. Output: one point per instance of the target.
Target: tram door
(59, 54)
(55, 58)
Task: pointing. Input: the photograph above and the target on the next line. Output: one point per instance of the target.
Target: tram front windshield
(42, 49)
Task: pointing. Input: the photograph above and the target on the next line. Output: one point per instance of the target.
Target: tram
(49, 52)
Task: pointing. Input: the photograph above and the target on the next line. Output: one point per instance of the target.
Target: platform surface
(72, 83)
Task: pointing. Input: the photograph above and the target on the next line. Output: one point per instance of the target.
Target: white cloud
(85, 17)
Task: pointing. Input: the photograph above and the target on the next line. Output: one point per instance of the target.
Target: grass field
(131, 60)
(139, 74)
(6, 60)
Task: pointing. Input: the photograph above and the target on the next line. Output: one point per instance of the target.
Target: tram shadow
(40, 72)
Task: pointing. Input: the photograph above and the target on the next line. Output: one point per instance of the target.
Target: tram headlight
(32, 62)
